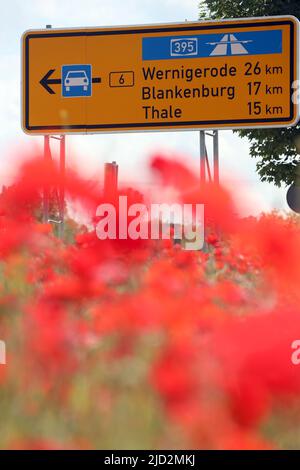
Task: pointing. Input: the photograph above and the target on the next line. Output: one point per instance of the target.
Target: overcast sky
(130, 150)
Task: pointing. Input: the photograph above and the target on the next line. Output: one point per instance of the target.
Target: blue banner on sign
(212, 45)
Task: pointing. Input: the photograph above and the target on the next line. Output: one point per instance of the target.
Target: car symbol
(76, 78)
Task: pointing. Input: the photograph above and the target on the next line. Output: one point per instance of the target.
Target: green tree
(277, 150)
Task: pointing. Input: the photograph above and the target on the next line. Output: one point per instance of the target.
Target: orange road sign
(228, 74)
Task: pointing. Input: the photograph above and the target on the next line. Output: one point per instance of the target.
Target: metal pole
(202, 157)
(202, 174)
(46, 187)
(62, 169)
(207, 166)
(110, 180)
(216, 169)
(216, 158)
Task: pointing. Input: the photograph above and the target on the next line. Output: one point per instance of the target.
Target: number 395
(183, 47)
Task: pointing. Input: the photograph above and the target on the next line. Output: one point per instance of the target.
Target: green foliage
(275, 149)
(216, 9)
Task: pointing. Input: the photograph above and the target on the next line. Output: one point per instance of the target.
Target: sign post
(202, 158)
(47, 157)
(62, 169)
(198, 75)
(216, 157)
(58, 192)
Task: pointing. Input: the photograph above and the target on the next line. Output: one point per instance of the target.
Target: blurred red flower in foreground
(139, 343)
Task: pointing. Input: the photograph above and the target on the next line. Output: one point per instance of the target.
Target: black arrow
(46, 81)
